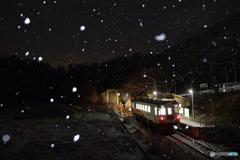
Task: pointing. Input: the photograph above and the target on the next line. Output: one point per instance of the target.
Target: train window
(163, 111)
(132, 105)
(176, 109)
(138, 106)
(149, 109)
(169, 110)
(146, 108)
(155, 110)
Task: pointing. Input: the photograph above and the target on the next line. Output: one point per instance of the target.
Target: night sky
(75, 31)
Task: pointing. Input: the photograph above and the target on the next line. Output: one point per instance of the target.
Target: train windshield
(176, 109)
(169, 111)
(162, 111)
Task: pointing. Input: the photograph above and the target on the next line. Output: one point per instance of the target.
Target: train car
(157, 111)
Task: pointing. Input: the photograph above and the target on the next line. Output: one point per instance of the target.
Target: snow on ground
(87, 134)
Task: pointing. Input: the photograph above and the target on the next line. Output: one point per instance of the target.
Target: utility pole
(175, 87)
(235, 73)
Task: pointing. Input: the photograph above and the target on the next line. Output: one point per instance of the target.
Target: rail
(197, 146)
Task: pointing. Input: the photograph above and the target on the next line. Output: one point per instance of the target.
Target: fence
(223, 121)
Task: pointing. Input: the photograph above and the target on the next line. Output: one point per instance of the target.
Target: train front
(169, 114)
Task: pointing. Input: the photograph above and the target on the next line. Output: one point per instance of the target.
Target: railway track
(128, 132)
(197, 146)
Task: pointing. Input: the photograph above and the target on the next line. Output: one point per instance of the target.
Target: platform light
(192, 103)
(155, 93)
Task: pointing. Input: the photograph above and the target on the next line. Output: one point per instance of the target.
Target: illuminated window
(132, 105)
(138, 106)
(155, 110)
(146, 108)
(176, 109)
(169, 110)
(149, 109)
(162, 111)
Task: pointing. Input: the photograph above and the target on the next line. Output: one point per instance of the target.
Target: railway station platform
(189, 122)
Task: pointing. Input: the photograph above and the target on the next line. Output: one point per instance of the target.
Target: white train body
(157, 111)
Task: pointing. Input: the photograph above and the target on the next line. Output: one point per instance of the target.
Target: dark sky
(112, 28)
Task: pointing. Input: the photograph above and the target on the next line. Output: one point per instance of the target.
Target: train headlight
(175, 127)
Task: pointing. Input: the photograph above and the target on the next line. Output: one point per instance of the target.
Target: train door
(170, 116)
(156, 115)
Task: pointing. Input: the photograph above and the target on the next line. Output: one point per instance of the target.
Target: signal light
(178, 117)
(162, 118)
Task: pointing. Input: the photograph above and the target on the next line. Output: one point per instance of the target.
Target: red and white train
(157, 111)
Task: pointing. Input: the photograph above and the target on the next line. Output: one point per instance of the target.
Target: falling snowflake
(52, 145)
(27, 53)
(82, 28)
(160, 37)
(74, 89)
(5, 138)
(27, 21)
(76, 137)
(40, 59)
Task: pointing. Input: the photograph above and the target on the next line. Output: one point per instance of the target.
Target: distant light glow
(187, 127)
(51, 100)
(67, 117)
